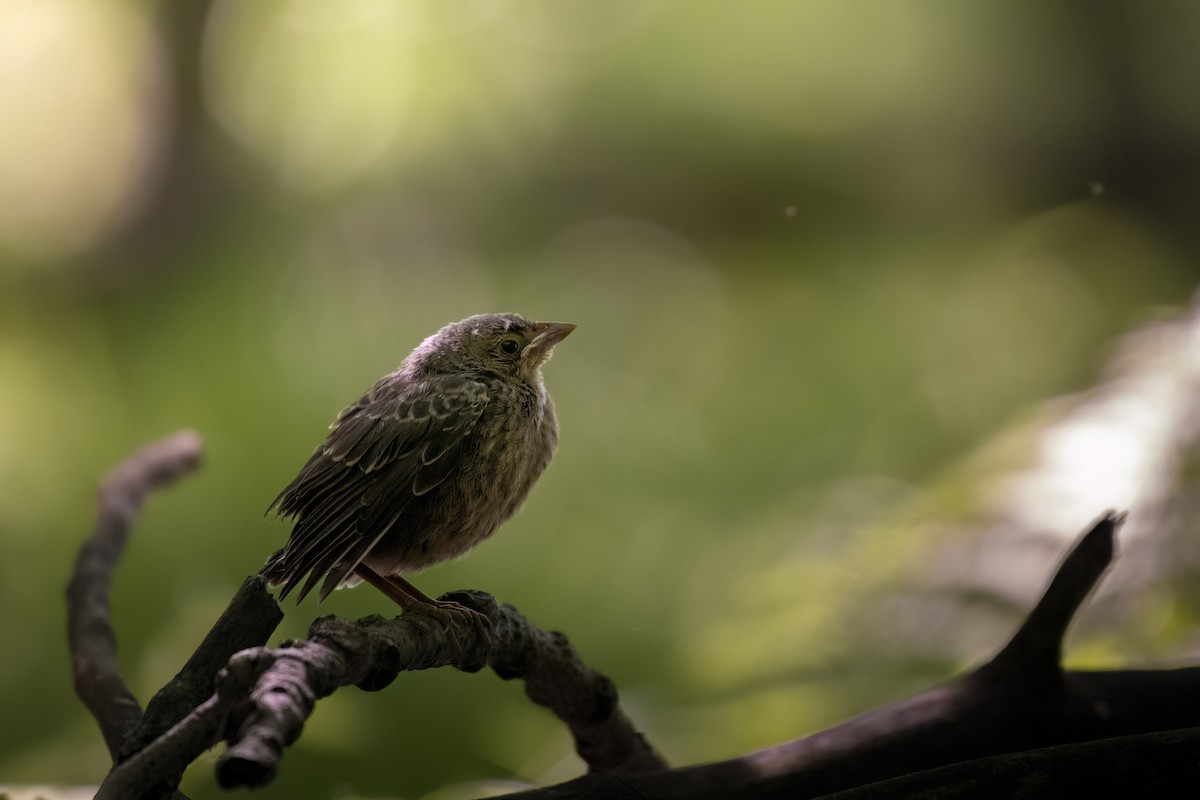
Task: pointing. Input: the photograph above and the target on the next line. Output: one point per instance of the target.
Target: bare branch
(584, 699)
(371, 652)
(265, 695)
(986, 712)
(1160, 764)
(248, 621)
(92, 643)
(150, 771)
(1037, 644)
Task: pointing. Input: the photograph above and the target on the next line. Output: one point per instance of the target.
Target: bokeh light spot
(318, 90)
(79, 103)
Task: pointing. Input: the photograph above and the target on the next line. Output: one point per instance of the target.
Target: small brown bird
(425, 465)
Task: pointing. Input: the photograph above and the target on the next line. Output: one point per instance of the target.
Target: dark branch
(146, 773)
(986, 712)
(373, 651)
(91, 640)
(556, 678)
(265, 694)
(1037, 644)
(1159, 764)
(249, 620)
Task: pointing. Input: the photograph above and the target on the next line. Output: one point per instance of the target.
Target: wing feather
(436, 469)
(401, 440)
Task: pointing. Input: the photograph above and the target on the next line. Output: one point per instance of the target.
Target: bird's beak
(547, 335)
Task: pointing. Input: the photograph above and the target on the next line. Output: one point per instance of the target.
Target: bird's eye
(509, 347)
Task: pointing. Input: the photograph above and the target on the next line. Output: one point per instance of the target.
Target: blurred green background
(821, 255)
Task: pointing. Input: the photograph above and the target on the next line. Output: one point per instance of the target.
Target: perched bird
(426, 465)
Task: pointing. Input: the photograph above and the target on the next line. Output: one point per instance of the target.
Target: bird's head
(505, 345)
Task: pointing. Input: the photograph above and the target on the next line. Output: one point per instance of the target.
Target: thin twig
(92, 643)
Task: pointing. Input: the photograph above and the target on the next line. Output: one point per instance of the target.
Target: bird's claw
(456, 617)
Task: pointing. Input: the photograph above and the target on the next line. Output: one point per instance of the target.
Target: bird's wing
(398, 442)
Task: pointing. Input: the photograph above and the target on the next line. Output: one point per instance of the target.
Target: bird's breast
(503, 457)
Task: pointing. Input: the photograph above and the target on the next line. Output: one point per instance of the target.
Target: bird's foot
(451, 615)
(456, 617)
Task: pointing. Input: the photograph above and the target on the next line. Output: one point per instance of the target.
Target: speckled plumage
(429, 462)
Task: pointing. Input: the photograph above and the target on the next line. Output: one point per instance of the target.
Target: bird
(425, 465)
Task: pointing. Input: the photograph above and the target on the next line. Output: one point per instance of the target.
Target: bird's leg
(401, 592)
(413, 600)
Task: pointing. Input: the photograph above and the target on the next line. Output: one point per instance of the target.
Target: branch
(556, 678)
(248, 621)
(1037, 644)
(1011, 704)
(1148, 765)
(265, 695)
(91, 640)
